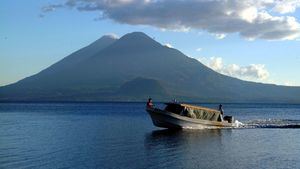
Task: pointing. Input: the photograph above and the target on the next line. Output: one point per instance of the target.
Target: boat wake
(271, 123)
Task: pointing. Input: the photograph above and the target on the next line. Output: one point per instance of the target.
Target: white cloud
(286, 6)
(288, 83)
(113, 35)
(249, 14)
(255, 72)
(220, 36)
(51, 7)
(216, 63)
(169, 45)
(199, 49)
(251, 19)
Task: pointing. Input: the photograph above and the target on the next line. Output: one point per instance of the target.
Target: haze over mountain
(133, 68)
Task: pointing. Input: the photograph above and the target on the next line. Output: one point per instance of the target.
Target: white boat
(178, 116)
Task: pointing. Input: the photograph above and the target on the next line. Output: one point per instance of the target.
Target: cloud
(251, 19)
(256, 72)
(51, 7)
(199, 49)
(113, 35)
(216, 63)
(286, 6)
(220, 36)
(169, 45)
(288, 83)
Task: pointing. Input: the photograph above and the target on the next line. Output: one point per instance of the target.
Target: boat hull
(170, 120)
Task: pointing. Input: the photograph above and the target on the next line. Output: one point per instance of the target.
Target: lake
(121, 135)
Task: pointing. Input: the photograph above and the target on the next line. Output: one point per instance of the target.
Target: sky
(255, 40)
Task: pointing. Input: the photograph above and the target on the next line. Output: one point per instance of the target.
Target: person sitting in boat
(149, 103)
(174, 101)
(221, 111)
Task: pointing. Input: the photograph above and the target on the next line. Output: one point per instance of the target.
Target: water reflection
(176, 147)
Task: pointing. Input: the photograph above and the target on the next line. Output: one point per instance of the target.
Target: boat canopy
(197, 112)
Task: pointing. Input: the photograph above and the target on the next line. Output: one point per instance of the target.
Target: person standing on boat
(221, 111)
(149, 103)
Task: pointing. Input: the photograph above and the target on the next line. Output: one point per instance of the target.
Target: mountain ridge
(98, 72)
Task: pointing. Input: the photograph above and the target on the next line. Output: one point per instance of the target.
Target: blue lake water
(121, 135)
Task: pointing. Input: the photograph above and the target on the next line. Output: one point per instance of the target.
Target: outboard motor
(230, 119)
